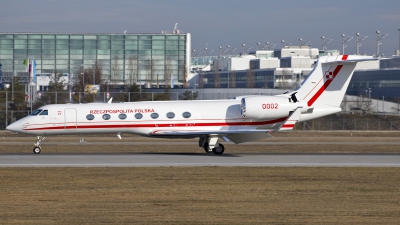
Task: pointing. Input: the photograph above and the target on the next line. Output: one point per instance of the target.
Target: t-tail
(323, 90)
(320, 94)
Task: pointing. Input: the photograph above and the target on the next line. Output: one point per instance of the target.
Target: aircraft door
(70, 119)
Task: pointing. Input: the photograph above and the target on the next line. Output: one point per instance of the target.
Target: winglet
(290, 121)
(110, 101)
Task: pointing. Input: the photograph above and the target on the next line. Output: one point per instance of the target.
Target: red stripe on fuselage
(124, 126)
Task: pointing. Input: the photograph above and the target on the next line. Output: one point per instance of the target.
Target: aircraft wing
(204, 132)
(236, 136)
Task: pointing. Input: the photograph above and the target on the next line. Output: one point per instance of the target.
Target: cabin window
(44, 113)
(106, 117)
(90, 117)
(170, 115)
(122, 116)
(36, 112)
(186, 115)
(138, 116)
(154, 115)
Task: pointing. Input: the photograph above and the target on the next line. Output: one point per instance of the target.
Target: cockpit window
(44, 113)
(36, 112)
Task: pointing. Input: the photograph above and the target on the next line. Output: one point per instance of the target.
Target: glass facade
(122, 57)
(238, 79)
(383, 83)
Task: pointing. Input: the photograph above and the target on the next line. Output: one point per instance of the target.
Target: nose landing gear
(37, 149)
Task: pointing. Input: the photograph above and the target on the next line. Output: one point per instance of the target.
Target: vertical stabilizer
(328, 82)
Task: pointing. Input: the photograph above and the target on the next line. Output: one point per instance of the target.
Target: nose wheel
(37, 150)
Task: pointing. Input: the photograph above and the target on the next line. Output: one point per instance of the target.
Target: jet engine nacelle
(267, 107)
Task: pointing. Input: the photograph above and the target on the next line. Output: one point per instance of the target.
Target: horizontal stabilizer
(347, 60)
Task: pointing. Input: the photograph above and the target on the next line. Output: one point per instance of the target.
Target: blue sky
(216, 22)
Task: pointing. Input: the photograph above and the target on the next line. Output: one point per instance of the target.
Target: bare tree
(366, 106)
(266, 82)
(232, 79)
(168, 72)
(201, 81)
(152, 70)
(396, 108)
(115, 70)
(343, 105)
(183, 71)
(98, 73)
(216, 75)
(132, 70)
(283, 79)
(250, 79)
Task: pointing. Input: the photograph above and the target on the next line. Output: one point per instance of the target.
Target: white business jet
(239, 120)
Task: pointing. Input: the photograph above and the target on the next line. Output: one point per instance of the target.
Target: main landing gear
(211, 144)
(39, 141)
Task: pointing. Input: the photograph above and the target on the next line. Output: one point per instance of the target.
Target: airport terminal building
(141, 58)
(286, 68)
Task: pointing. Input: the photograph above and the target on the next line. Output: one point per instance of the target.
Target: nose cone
(15, 127)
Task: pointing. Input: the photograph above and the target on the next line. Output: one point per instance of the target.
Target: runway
(194, 143)
(198, 160)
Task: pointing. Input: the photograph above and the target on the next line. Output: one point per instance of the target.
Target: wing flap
(236, 136)
(242, 138)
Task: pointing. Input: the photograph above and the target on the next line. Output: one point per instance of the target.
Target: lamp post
(324, 42)
(358, 45)
(399, 38)
(378, 40)
(344, 40)
(359, 40)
